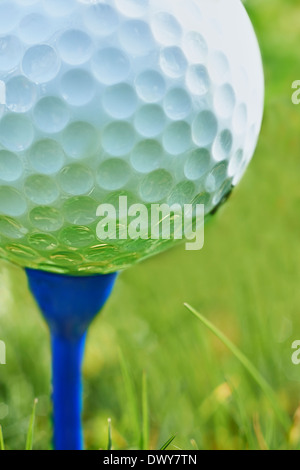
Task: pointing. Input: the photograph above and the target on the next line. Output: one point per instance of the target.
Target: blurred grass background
(245, 281)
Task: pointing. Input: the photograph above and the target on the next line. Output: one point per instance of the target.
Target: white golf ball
(157, 100)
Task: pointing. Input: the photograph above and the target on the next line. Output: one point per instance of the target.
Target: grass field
(245, 281)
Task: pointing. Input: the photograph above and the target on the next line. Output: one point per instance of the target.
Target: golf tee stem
(67, 357)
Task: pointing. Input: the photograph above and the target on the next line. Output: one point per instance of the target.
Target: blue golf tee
(69, 304)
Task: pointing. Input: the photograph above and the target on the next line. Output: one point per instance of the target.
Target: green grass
(30, 432)
(282, 417)
(1, 440)
(110, 442)
(245, 282)
(29, 440)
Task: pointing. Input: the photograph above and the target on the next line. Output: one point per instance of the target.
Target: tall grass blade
(282, 417)
(29, 440)
(145, 415)
(1, 439)
(109, 445)
(168, 443)
(258, 432)
(245, 424)
(132, 403)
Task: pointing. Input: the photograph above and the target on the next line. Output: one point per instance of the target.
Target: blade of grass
(258, 432)
(283, 417)
(294, 435)
(194, 444)
(1, 439)
(29, 440)
(244, 425)
(169, 442)
(145, 414)
(132, 404)
(109, 445)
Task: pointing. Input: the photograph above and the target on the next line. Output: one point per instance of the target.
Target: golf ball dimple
(157, 100)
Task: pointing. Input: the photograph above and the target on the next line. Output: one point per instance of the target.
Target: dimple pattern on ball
(159, 101)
